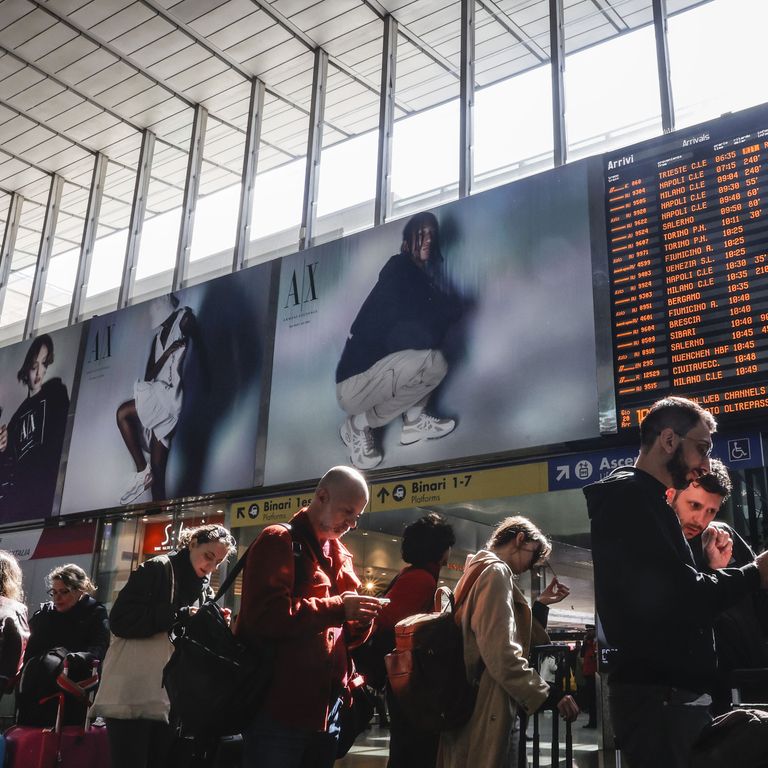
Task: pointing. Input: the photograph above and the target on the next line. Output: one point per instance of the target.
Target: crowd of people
(658, 554)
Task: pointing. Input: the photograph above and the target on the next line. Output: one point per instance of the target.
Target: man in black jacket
(392, 360)
(655, 606)
(740, 631)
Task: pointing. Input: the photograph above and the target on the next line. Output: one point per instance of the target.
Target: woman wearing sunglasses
(499, 631)
(72, 625)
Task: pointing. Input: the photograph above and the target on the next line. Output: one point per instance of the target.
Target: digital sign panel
(687, 227)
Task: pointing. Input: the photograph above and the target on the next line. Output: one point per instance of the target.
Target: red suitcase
(73, 747)
(60, 747)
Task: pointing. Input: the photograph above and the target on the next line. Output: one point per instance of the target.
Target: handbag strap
(171, 577)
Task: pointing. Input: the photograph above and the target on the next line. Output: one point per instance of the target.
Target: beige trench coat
(497, 626)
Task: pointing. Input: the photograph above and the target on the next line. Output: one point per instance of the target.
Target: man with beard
(300, 597)
(655, 606)
(740, 631)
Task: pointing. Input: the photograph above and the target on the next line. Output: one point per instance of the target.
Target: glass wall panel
(160, 235)
(279, 185)
(213, 238)
(62, 268)
(425, 144)
(728, 77)
(22, 273)
(513, 112)
(612, 94)
(111, 240)
(347, 186)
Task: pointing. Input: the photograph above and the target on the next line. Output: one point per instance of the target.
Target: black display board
(687, 227)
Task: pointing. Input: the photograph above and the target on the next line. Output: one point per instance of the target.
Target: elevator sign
(737, 451)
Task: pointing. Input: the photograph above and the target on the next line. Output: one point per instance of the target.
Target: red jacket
(306, 622)
(412, 592)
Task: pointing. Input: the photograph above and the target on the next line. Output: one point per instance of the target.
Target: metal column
(467, 99)
(314, 148)
(138, 211)
(9, 244)
(89, 238)
(250, 165)
(557, 52)
(44, 256)
(662, 62)
(386, 122)
(189, 201)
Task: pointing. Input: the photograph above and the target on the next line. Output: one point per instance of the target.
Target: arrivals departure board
(687, 226)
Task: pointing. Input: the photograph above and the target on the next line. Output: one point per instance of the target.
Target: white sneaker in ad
(426, 427)
(362, 451)
(138, 484)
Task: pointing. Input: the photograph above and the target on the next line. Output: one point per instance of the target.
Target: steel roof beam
(89, 239)
(189, 201)
(314, 149)
(136, 225)
(250, 166)
(9, 243)
(47, 236)
(383, 200)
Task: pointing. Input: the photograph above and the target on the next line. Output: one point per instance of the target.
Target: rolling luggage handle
(79, 690)
(559, 652)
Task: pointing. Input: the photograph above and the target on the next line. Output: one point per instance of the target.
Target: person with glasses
(655, 606)
(498, 632)
(72, 625)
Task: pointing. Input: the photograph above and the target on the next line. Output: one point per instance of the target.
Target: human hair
(677, 413)
(43, 340)
(10, 577)
(204, 534)
(508, 529)
(716, 480)
(426, 539)
(412, 235)
(73, 577)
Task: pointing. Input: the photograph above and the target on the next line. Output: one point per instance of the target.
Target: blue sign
(741, 451)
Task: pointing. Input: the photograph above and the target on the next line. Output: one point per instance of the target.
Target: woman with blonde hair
(72, 625)
(498, 631)
(14, 629)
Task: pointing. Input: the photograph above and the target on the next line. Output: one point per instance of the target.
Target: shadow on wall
(223, 368)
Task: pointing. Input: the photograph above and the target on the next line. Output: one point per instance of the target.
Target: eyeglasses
(704, 447)
(61, 592)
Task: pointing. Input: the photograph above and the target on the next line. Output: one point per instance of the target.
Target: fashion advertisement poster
(36, 381)
(168, 403)
(463, 330)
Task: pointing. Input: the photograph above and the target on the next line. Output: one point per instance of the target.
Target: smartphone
(384, 600)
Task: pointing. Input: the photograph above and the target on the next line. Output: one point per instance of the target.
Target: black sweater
(408, 308)
(656, 608)
(143, 607)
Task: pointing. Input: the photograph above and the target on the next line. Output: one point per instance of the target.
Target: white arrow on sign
(563, 472)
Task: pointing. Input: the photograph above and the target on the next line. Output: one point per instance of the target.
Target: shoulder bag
(132, 674)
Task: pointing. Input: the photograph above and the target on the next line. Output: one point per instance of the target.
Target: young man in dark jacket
(655, 606)
(741, 631)
(392, 360)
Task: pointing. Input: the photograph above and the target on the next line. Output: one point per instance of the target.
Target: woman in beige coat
(498, 633)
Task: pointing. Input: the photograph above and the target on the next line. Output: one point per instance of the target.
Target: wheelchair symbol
(738, 450)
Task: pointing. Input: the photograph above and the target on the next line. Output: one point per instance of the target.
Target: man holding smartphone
(300, 595)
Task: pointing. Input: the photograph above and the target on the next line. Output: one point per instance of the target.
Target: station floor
(371, 749)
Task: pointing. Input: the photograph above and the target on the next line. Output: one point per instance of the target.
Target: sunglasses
(62, 592)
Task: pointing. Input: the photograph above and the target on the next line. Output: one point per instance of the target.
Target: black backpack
(215, 683)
